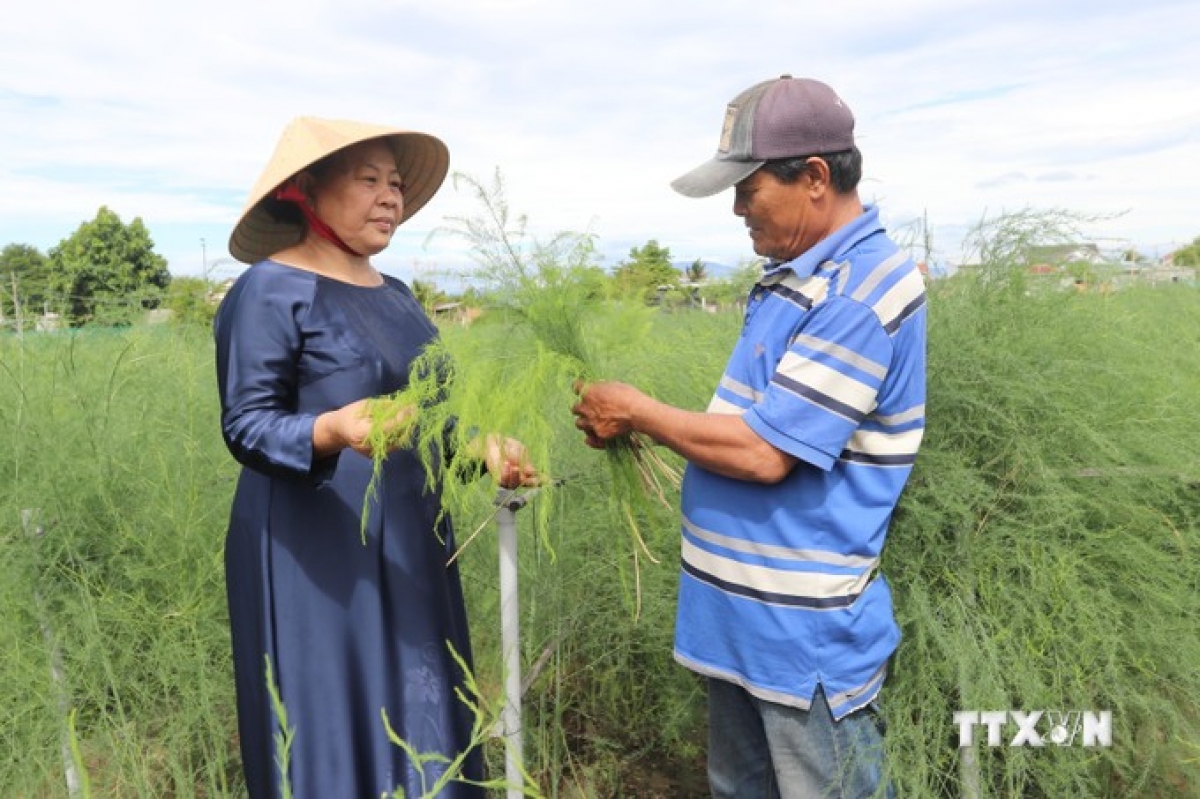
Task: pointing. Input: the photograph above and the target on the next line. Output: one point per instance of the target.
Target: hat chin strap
(290, 193)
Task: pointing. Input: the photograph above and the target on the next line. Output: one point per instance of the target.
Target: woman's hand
(507, 460)
(349, 426)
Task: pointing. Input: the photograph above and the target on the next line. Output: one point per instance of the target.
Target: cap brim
(713, 176)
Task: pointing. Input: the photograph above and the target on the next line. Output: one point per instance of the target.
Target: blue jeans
(763, 749)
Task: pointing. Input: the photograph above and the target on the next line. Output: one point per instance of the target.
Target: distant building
(48, 321)
(1164, 273)
(159, 316)
(1049, 258)
(456, 312)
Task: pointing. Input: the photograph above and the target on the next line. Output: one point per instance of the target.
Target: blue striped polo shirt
(780, 587)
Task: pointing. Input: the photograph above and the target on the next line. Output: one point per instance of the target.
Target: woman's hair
(329, 165)
(320, 172)
(845, 169)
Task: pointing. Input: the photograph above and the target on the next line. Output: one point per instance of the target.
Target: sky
(964, 110)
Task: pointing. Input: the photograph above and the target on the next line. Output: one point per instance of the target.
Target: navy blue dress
(350, 630)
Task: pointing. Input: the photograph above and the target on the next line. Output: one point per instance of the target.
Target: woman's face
(361, 198)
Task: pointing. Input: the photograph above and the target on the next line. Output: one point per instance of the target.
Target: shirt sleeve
(826, 383)
(258, 338)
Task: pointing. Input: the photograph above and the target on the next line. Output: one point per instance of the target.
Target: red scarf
(290, 193)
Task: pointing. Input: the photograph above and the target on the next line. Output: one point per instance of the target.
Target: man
(796, 467)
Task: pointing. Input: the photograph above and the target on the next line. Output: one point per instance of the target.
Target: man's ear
(818, 176)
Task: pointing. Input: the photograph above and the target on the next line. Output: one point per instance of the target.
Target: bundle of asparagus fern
(554, 325)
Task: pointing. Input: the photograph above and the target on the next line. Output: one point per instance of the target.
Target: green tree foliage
(647, 269)
(107, 271)
(735, 287)
(190, 300)
(24, 274)
(1132, 256)
(428, 294)
(1189, 255)
(696, 271)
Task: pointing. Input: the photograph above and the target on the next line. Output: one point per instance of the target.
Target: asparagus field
(1044, 556)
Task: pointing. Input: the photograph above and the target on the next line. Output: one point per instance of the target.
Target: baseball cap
(781, 118)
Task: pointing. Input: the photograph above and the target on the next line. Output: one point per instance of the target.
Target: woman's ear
(306, 183)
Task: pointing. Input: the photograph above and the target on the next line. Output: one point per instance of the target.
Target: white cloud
(168, 111)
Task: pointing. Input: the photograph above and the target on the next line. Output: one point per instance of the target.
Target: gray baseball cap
(782, 118)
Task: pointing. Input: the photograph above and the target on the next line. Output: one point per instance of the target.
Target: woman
(340, 632)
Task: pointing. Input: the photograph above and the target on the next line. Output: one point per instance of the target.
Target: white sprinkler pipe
(509, 503)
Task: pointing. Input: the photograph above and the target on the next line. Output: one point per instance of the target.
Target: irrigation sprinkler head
(516, 498)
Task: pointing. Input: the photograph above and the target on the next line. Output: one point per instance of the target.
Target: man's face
(779, 215)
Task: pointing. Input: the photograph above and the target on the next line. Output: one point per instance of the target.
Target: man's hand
(605, 410)
(720, 443)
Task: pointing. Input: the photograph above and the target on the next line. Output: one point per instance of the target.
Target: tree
(190, 301)
(647, 268)
(696, 272)
(24, 275)
(428, 294)
(1189, 255)
(735, 287)
(108, 271)
(1132, 256)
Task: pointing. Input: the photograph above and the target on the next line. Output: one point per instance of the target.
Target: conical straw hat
(262, 230)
